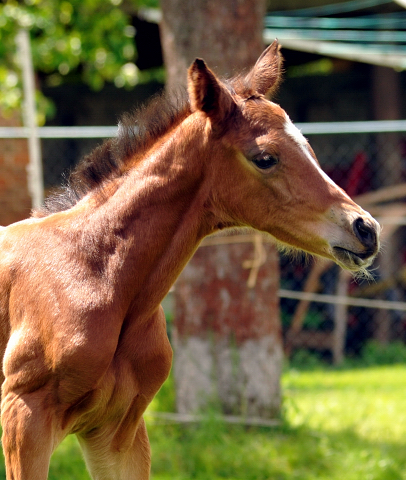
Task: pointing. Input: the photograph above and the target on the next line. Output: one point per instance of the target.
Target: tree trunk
(227, 338)
(386, 106)
(227, 334)
(227, 34)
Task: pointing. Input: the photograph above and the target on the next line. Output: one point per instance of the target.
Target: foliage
(67, 463)
(314, 319)
(324, 66)
(304, 359)
(375, 353)
(90, 39)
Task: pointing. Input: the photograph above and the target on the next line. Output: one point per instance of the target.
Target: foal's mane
(137, 132)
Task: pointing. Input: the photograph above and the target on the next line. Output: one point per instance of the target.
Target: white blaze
(294, 132)
(297, 136)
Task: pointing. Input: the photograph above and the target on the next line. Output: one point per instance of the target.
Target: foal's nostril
(365, 233)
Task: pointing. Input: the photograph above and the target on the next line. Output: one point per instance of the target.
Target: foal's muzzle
(362, 252)
(367, 234)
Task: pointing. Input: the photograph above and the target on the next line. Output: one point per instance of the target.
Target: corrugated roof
(378, 39)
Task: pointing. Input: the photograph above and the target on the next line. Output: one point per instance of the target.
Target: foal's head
(266, 175)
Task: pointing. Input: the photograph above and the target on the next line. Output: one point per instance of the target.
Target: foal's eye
(264, 161)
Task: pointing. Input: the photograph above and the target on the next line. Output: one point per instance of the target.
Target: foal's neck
(156, 217)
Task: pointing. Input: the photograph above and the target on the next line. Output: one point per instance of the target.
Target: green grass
(346, 424)
(336, 424)
(67, 462)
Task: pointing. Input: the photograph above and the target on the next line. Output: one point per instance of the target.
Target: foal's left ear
(266, 74)
(207, 93)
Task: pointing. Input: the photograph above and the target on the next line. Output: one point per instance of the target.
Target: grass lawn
(336, 425)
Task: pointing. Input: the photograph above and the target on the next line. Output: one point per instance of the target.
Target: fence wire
(359, 163)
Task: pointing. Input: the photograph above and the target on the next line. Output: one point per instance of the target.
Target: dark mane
(137, 131)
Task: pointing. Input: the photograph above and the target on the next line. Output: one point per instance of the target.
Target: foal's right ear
(266, 75)
(207, 93)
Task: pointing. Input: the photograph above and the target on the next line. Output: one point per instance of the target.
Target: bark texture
(227, 340)
(227, 34)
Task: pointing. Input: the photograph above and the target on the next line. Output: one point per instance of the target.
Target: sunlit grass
(336, 424)
(67, 462)
(347, 424)
(369, 401)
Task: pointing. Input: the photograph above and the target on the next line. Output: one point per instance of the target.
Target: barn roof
(344, 30)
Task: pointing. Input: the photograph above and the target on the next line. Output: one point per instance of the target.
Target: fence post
(34, 168)
(340, 318)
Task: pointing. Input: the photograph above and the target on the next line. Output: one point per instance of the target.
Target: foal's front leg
(119, 449)
(107, 462)
(29, 435)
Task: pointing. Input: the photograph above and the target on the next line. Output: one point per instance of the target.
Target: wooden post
(34, 168)
(387, 99)
(340, 318)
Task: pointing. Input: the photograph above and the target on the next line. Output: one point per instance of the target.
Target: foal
(82, 335)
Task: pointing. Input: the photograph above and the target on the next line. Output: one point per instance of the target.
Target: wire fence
(333, 314)
(322, 309)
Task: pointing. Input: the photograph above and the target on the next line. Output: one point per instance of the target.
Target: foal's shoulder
(14, 237)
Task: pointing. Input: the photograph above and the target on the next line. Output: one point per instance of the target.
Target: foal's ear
(207, 93)
(266, 74)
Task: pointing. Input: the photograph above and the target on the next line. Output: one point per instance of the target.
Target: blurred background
(344, 86)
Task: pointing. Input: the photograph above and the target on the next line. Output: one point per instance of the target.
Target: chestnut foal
(83, 336)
